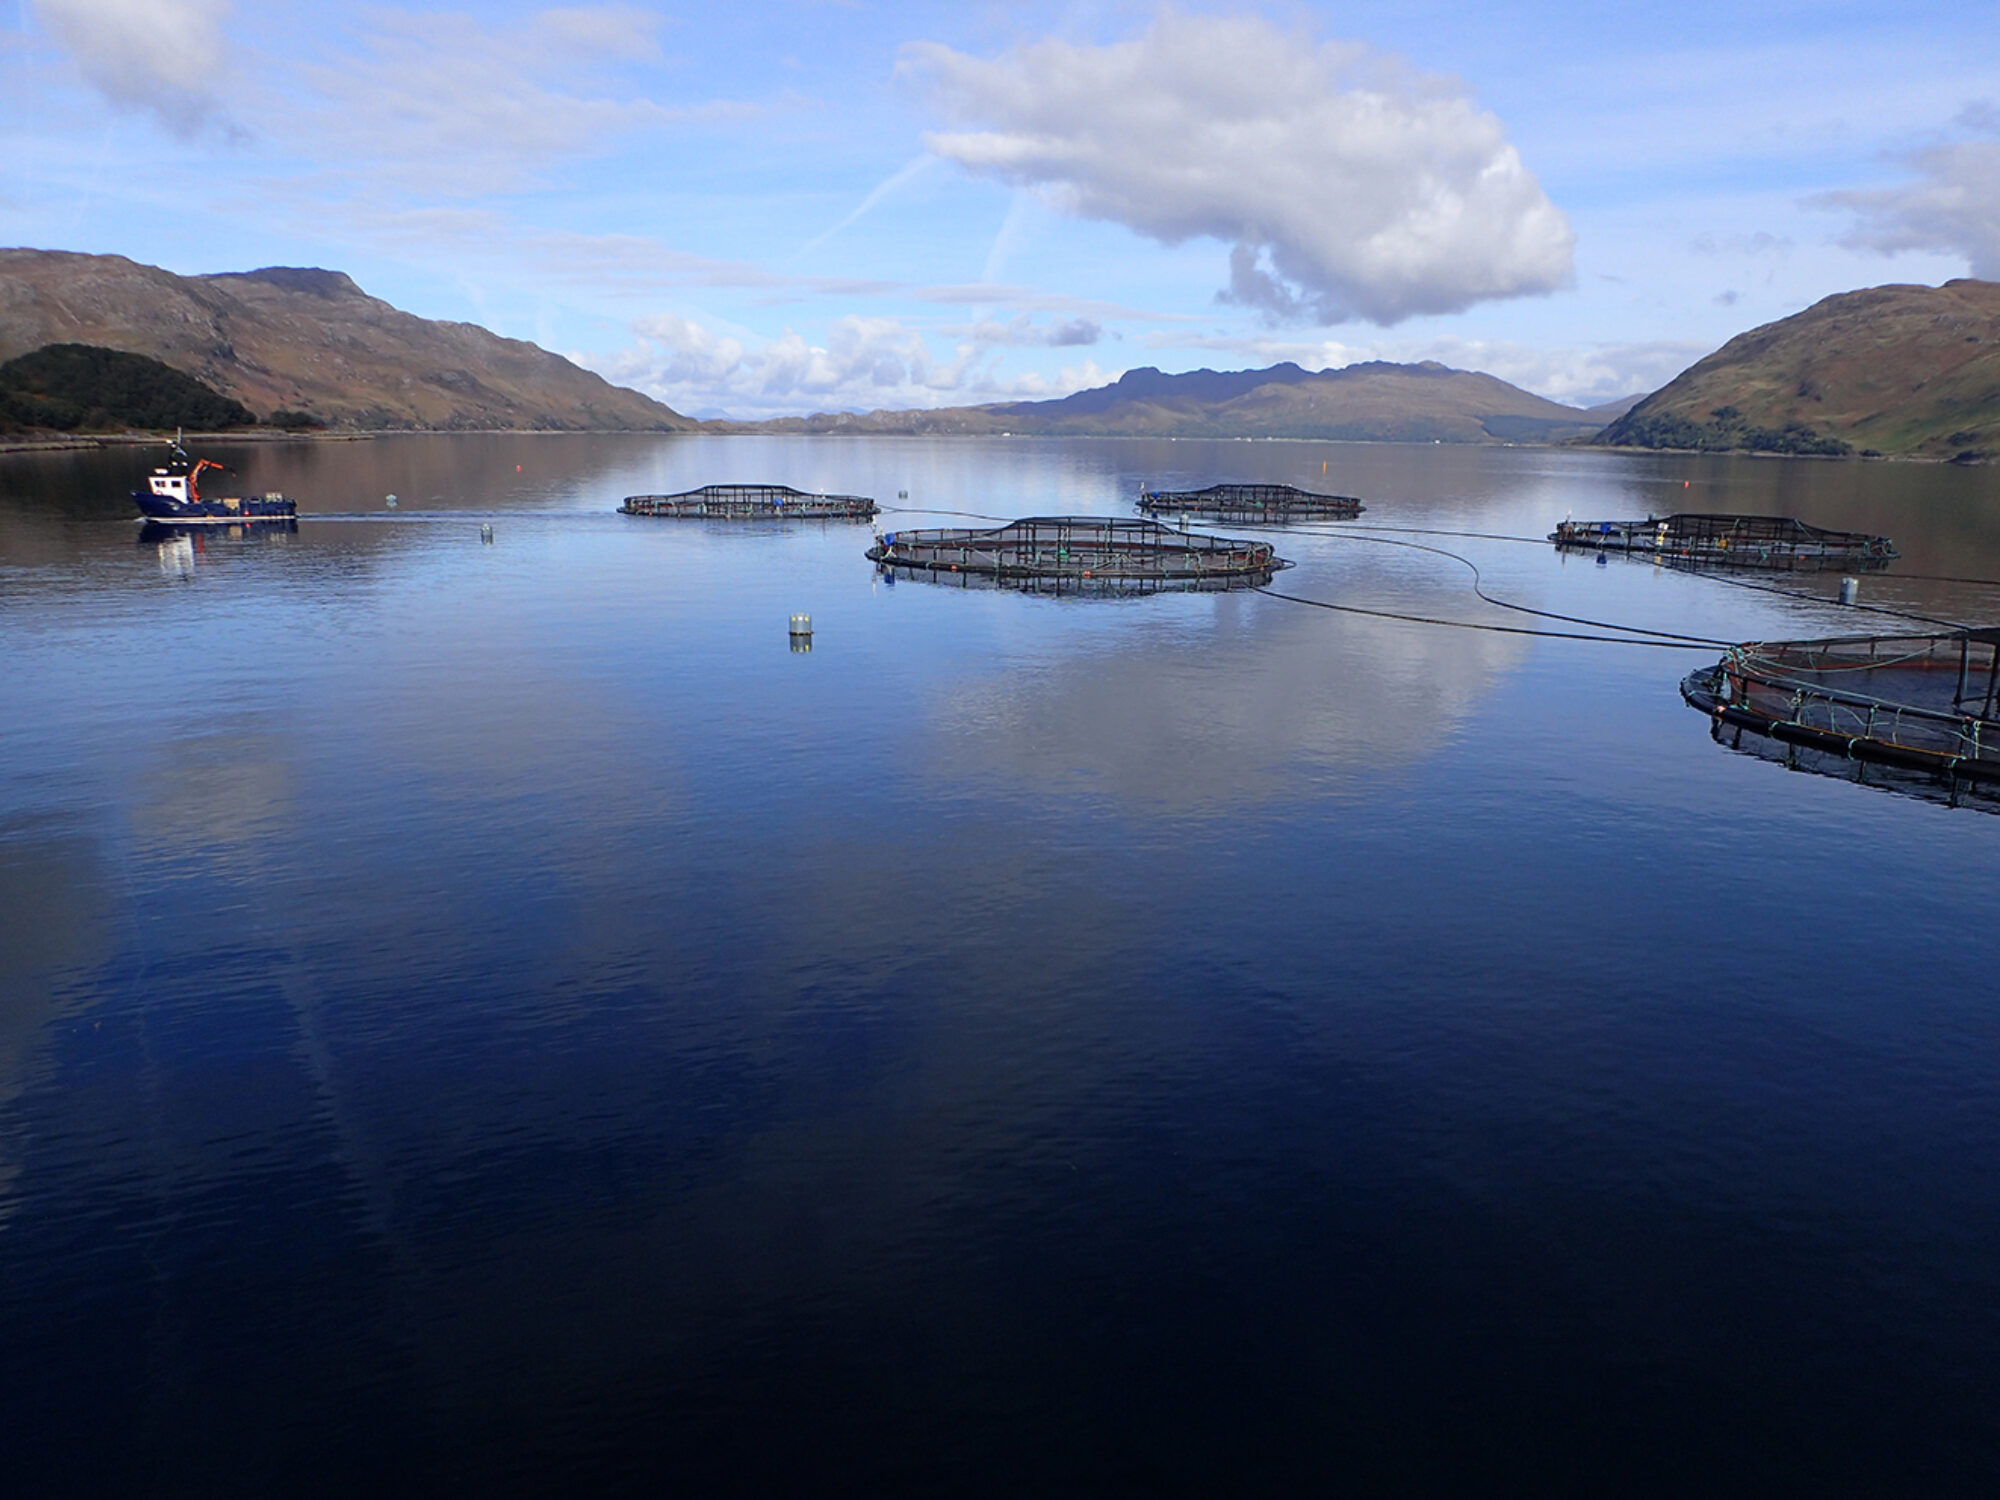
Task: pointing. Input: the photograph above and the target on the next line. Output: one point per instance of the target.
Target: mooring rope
(1544, 614)
(1690, 644)
(1873, 609)
(1714, 576)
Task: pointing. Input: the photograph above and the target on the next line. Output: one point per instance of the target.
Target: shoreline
(722, 428)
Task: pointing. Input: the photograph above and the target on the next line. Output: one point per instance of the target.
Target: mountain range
(306, 340)
(1372, 402)
(1893, 370)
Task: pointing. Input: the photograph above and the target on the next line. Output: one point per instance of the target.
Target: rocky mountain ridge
(1375, 401)
(308, 340)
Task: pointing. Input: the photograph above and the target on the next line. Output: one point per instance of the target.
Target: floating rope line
(1554, 635)
(1544, 614)
(1480, 536)
(1705, 573)
(1986, 583)
(1873, 609)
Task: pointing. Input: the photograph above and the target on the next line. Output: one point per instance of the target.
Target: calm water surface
(495, 1018)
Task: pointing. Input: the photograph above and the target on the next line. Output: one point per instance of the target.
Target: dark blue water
(495, 1018)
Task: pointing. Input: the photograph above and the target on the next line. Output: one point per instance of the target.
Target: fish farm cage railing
(1249, 502)
(751, 502)
(1925, 702)
(1735, 541)
(1104, 551)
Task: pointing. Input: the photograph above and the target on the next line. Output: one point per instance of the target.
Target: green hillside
(72, 387)
(1904, 370)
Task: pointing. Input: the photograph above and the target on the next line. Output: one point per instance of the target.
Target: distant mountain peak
(310, 280)
(1372, 401)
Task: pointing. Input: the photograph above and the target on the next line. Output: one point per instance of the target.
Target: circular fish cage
(1110, 554)
(750, 502)
(1924, 702)
(1729, 541)
(1250, 502)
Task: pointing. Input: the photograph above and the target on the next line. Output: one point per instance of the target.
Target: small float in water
(1076, 554)
(1928, 704)
(173, 497)
(1695, 540)
(750, 502)
(1250, 502)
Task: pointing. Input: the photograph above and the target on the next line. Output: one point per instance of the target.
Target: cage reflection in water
(1077, 554)
(1250, 502)
(1928, 704)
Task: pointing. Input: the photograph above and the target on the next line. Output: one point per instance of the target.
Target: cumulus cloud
(1951, 208)
(1022, 331)
(865, 364)
(158, 56)
(1347, 185)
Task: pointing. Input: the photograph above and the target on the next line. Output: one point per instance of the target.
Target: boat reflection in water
(180, 546)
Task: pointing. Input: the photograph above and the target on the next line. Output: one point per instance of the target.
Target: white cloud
(1760, 243)
(458, 107)
(1347, 185)
(1021, 331)
(865, 364)
(1953, 208)
(159, 56)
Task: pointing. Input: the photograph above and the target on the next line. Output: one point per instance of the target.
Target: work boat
(173, 496)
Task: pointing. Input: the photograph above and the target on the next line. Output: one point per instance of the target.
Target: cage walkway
(1101, 552)
(1925, 702)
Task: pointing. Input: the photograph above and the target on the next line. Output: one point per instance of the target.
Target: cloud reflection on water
(1280, 696)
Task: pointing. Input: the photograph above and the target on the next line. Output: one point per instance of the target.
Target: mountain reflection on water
(493, 1015)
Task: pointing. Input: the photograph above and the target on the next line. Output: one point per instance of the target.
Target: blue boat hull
(212, 512)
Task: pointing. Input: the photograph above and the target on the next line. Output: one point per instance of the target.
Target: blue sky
(808, 205)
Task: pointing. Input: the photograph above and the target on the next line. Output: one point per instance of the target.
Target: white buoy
(389, 501)
(802, 632)
(1850, 590)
